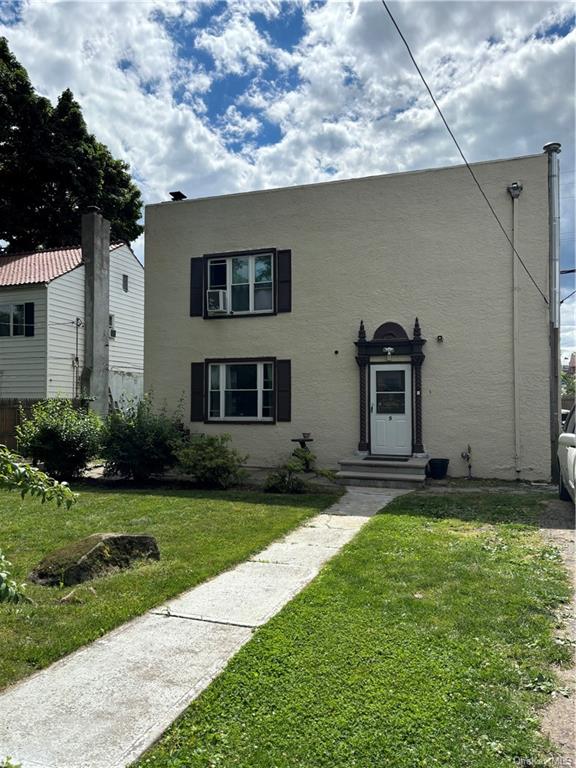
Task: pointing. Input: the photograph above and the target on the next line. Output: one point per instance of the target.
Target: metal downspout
(514, 191)
(553, 149)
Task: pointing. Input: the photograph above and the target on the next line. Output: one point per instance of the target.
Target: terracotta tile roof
(40, 266)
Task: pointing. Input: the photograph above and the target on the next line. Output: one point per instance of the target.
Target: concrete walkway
(104, 705)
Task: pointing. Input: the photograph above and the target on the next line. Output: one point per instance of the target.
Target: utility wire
(567, 297)
(488, 203)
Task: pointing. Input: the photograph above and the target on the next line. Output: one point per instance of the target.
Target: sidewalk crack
(168, 614)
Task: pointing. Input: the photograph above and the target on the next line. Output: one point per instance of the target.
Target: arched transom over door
(390, 407)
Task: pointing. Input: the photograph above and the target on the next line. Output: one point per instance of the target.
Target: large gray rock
(94, 556)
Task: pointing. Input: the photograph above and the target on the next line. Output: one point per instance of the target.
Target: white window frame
(222, 390)
(11, 310)
(251, 281)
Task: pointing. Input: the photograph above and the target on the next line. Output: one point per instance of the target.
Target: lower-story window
(241, 391)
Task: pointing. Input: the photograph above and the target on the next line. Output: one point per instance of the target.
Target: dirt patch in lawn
(558, 720)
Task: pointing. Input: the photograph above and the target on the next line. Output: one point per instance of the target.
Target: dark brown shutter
(284, 280)
(196, 287)
(197, 404)
(29, 318)
(283, 390)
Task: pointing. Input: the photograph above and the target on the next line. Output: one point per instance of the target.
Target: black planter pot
(437, 468)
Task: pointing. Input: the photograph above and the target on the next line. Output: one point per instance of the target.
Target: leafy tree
(568, 383)
(52, 168)
(16, 475)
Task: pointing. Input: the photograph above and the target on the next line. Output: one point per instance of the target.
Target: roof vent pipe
(514, 190)
(552, 149)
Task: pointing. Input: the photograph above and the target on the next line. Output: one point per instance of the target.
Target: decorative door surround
(391, 340)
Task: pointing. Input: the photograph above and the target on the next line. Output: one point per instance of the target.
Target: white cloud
(355, 73)
(346, 99)
(235, 126)
(235, 44)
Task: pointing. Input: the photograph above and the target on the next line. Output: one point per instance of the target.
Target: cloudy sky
(212, 97)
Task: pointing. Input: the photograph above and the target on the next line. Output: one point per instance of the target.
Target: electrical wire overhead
(488, 203)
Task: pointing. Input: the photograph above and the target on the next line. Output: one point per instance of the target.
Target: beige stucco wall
(381, 248)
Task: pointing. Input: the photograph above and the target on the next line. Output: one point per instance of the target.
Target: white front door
(390, 410)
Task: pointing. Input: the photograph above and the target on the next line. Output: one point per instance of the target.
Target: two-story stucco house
(387, 316)
(43, 321)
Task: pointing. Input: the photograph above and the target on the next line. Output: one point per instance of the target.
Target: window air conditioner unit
(217, 302)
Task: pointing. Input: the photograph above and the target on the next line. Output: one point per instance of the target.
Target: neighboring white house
(42, 323)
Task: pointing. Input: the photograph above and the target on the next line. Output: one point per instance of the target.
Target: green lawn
(427, 642)
(200, 533)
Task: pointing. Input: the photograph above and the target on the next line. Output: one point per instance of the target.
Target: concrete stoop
(383, 472)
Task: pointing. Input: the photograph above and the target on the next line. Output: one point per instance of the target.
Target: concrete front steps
(387, 472)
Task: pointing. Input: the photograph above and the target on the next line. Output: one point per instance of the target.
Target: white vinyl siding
(127, 307)
(23, 358)
(49, 364)
(65, 305)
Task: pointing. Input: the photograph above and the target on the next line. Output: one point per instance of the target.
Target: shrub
(211, 462)
(285, 478)
(138, 442)
(62, 437)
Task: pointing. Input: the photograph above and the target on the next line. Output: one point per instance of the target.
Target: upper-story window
(125, 283)
(241, 284)
(17, 319)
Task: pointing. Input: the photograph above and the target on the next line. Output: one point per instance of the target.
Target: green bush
(138, 442)
(62, 437)
(211, 462)
(285, 479)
